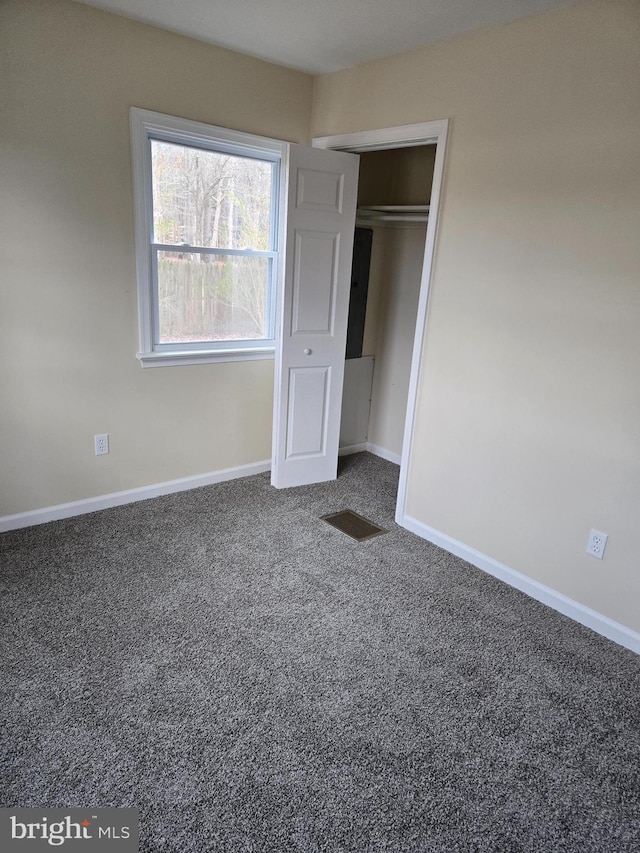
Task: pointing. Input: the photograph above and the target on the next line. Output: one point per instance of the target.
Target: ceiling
(319, 36)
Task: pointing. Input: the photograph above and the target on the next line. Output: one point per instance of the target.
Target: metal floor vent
(354, 525)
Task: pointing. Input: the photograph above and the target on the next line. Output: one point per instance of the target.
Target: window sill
(175, 359)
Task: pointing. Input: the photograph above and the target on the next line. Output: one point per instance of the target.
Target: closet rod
(395, 212)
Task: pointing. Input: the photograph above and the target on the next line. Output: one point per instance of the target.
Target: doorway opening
(398, 198)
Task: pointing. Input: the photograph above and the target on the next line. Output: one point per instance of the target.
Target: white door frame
(407, 136)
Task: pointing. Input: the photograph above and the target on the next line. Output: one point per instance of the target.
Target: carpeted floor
(253, 680)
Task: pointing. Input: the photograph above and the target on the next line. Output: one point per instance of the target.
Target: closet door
(321, 208)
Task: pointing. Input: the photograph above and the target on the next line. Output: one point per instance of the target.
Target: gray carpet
(253, 680)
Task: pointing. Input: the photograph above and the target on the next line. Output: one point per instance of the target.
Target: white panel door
(321, 209)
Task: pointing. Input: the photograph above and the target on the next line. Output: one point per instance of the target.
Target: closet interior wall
(398, 177)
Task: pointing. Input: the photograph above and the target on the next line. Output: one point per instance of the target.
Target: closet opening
(430, 138)
(394, 197)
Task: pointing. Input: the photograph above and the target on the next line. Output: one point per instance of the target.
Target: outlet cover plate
(101, 444)
(597, 543)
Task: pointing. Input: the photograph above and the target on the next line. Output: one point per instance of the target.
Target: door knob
(307, 351)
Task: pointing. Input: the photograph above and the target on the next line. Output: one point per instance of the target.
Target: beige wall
(68, 327)
(528, 420)
(396, 270)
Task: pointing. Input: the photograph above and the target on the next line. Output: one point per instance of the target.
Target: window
(206, 203)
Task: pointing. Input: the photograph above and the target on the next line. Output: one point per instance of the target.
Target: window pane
(203, 297)
(205, 198)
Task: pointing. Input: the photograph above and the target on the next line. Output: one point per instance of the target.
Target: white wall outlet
(597, 543)
(101, 443)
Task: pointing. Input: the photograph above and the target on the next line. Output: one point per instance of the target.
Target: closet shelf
(393, 213)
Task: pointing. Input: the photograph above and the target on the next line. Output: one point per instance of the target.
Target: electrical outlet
(597, 543)
(101, 443)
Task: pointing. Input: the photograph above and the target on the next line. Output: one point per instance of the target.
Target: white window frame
(145, 126)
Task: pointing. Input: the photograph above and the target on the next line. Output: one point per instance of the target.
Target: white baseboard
(352, 448)
(563, 604)
(68, 510)
(82, 507)
(371, 448)
(383, 453)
